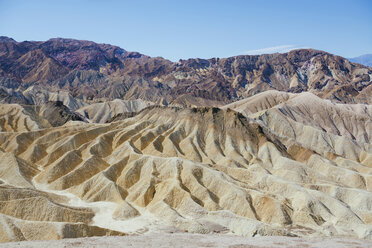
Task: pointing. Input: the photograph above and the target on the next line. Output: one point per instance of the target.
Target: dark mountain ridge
(90, 70)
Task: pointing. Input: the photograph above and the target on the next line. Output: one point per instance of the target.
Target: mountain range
(92, 71)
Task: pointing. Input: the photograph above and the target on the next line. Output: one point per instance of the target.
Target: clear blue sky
(197, 28)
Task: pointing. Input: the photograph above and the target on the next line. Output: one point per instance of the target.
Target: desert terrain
(220, 153)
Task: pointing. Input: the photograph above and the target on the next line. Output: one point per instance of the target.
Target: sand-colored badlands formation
(273, 164)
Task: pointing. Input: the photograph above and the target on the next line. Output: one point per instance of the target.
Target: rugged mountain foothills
(99, 141)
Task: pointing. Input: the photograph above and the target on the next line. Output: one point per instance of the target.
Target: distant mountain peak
(6, 39)
(365, 59)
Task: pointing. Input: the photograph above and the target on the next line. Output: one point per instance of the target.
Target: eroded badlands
(273, 164)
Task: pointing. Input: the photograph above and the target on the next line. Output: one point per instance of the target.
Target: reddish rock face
(88, 69)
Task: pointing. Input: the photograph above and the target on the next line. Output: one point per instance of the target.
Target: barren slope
(290, 114)
(104, 111)
(18, 118)
(198, 170)
(38, 96)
